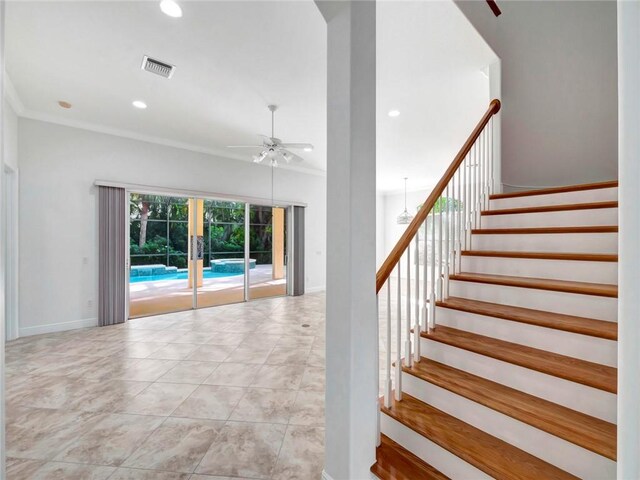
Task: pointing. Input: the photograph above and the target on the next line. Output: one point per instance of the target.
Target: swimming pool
(180, 276)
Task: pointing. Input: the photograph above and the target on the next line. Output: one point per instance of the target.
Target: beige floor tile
(107, 396)
(244, 449)
(302, 454)
(316, 358)
(288, 356)
(233, 374)
(279, 377)
(178, 445)
(111, 441)
(249, 354)
(141, 349)
(226, 339)
(265, 405)
(70, 471)
(40, 434)
(148, 370)
(22, 469)
(308, 409)
(159, 399)
(210, 401)
(138, 474)
(211, 353)
(188, 371)
(313, 379)
(174, 351)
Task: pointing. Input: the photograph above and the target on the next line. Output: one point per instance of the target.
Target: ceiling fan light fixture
(308, 149)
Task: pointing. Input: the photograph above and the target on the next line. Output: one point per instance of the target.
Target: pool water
(180, 276)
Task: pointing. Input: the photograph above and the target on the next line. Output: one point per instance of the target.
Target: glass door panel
(158, 255)
(223, 261)
(267, 251)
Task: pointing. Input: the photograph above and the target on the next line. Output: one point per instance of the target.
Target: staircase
(498, 320)
(517, 377)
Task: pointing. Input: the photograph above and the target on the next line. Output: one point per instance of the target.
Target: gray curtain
(111, 245)
(298, 251)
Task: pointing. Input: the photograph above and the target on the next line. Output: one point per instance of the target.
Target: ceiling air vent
(156, 66)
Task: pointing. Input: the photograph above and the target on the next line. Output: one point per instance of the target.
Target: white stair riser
(554, 450)
(436, 456)
(568, 218)
(584, 196)
(547, 242)
(590, 306)
(574, 345)
(578, 271)
(582, 398)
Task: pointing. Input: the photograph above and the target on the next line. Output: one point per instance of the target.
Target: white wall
(629, 216)
(559, 88)
(10, 140)
(58, 210)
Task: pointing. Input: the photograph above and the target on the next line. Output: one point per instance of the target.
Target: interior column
(352, 326)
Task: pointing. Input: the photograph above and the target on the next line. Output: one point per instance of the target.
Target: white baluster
(491, 165)
(398, 389)
(459, 216)
(388, 387)
(432, 296)
(447, 224)
(416, 321)
(425, 267)
(407, 342)
(440, 263)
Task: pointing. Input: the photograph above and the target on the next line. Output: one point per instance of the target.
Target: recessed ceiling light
(64, 104)
(394, 113)
(171, 8)
(308, 149)
(139, 104)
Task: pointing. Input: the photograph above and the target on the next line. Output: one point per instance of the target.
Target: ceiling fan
(273, 149)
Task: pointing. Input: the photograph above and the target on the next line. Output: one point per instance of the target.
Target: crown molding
(14, 100)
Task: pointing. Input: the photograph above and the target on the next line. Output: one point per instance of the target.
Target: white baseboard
(321, 288)
(326, 476)
(58, 327)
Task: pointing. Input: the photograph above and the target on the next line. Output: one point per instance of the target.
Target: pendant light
(405, 217)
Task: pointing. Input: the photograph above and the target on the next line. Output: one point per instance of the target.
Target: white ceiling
(235, 58)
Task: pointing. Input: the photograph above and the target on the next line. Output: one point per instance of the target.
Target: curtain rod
(180, 192)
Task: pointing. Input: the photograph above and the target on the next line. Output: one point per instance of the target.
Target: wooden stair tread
(587, 373)
(545, 230)
(557, 321)
(585, 257)
(394, 462)
(551, 208)
(547, 191)
(486, 452)
(588, 432)
(584, 288)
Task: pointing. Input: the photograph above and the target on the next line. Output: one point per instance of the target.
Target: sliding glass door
(267, 233)
(196, 252)
(158, 253)
(223, 260)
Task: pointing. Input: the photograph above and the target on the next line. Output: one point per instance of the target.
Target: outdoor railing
(446, 220)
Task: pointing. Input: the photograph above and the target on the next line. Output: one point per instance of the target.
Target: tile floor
(233, 392)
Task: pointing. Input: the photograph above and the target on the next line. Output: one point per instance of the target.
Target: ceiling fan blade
(291, 157)
(245, 146)
(297, 145)
(270, 140)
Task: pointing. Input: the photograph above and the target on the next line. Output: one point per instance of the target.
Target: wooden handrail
(494, 7)
(403, 243)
